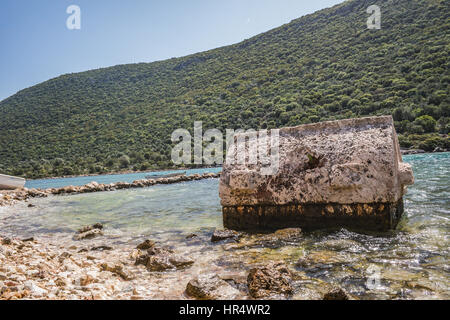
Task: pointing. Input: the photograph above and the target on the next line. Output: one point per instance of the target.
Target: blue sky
(35, 44)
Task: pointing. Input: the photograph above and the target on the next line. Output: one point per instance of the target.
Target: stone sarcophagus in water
(346, 173)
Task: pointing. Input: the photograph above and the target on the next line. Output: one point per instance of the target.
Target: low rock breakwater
(40, 268)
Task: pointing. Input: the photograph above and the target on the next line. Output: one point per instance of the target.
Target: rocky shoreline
(406, 152)
(80, 269)
(11, 197)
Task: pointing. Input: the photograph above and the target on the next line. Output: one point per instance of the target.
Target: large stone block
(346, 173)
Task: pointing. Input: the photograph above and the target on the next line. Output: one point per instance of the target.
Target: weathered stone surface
(330, 174)
(270, 280)
(211, 287)
(220, 235)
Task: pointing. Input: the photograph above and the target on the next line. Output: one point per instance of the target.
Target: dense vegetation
(323, 66)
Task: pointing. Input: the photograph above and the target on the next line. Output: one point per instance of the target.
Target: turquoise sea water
(413, 260)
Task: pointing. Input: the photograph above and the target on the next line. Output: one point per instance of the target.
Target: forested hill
(322, 66)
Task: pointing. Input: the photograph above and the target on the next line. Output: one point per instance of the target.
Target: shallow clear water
(411, 262)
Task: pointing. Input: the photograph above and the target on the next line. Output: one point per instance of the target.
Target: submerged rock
(270, 280)
(98, 226)
(102, 248)
(89, 232)
(220, 235)
(276, 239)
(284, 235)
(163, 262)
(324, 257)
(147, 244)
(336, 293)
(161, 259)
(88, 235)
(159, 263)
(211, 287)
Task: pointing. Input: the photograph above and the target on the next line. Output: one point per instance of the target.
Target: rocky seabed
(81, 269)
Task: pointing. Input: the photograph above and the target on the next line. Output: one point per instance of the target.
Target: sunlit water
(411, 262)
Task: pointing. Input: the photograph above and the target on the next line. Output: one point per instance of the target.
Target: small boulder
(278, 237)
(97, 226)
(88, 235)
(162, 259)
(147, 244)
(288, 234)
(158, 251)
(270, 280)
(336, 294)
(225, 234)
(211, 287)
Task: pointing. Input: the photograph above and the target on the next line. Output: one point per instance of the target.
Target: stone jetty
(10, 197)
(346, 173)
